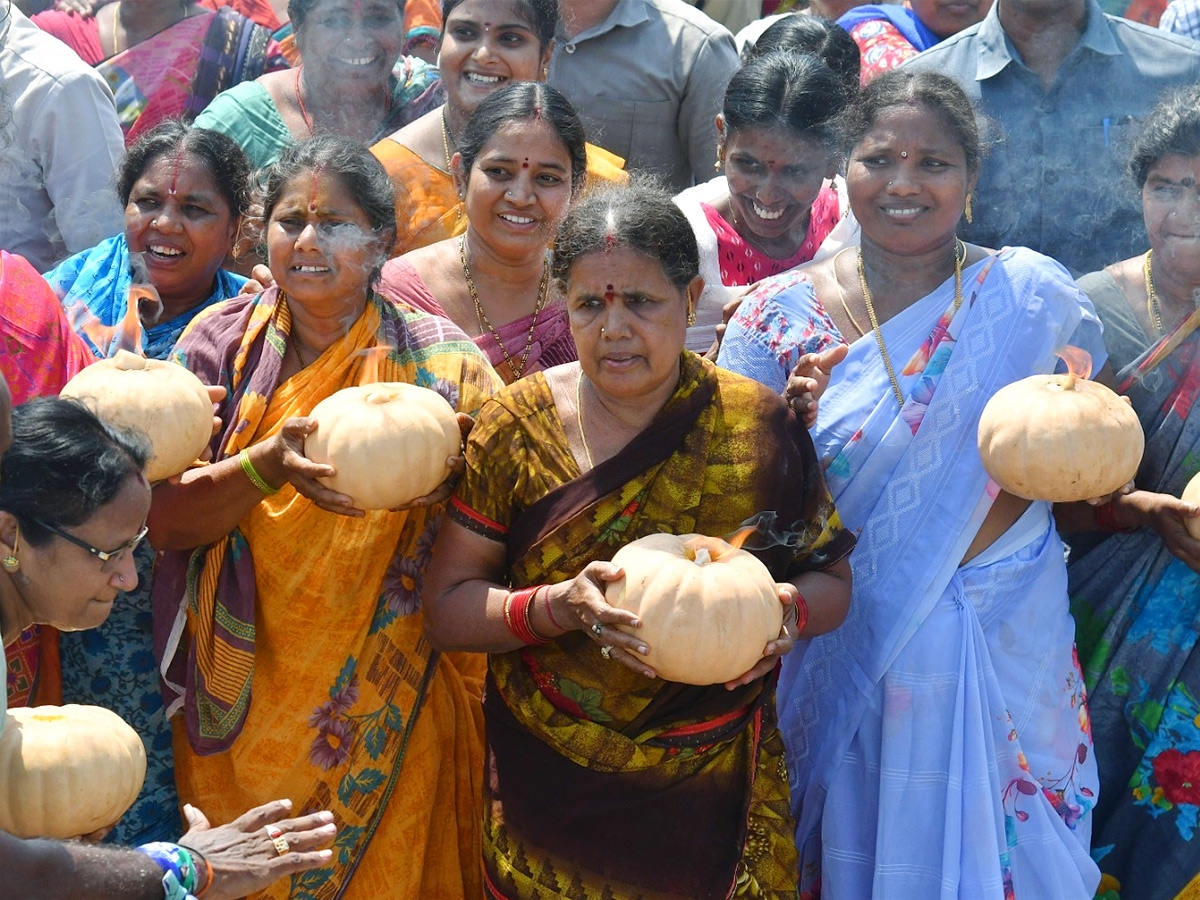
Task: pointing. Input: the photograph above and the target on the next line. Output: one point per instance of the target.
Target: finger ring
(597, 629)
(606, 652)
(277, 838)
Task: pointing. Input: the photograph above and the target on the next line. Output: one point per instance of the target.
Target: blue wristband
(179, 870)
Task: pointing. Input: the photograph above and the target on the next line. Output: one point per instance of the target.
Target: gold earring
(717, 165)
(691, 317)
(10, 562)
(967, 211)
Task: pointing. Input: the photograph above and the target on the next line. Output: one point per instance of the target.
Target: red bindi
(525, 165)
(608, 293)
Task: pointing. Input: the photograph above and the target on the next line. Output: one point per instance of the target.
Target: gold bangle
(252, 473)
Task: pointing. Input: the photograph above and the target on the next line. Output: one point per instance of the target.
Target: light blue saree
(938, 742)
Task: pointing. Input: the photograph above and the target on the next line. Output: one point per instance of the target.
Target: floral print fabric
(1138, 609)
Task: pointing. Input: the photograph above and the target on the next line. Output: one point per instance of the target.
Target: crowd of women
(957, 704)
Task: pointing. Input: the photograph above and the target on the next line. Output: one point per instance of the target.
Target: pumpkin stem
(126, 361)
(1068, 383)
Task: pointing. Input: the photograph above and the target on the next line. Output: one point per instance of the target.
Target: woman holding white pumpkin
(939, 740)
(73, 505)
(185, 192)
(288, 617)
(1136, 593)
(593, 761)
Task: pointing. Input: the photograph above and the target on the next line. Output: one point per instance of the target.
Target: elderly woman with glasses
(73, 507)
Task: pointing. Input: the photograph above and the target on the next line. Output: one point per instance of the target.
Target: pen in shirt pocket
(1109, 121)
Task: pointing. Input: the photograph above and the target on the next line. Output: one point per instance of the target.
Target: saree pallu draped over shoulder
(602, 783)
(938, 741)
(320, 615)
(177, 72)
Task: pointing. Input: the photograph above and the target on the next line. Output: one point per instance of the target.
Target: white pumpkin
(67, 771)
(388, 442)
(161, 399)
(707, 609)
(1059, 438)
(1191, 494)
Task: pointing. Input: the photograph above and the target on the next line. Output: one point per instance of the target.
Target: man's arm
(79, 175)
(57, 870)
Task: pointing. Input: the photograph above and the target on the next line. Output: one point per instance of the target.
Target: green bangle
(252, 473)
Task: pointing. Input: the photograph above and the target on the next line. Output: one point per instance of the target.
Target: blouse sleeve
(484, 500)
(779, 321)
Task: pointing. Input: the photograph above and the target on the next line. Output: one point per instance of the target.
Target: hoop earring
(10, 562)
(967, 212)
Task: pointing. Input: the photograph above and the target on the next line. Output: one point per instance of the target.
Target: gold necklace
(579, 418)
(960, 256)
(446, 139)
(842, 294)
(543, 291)
(1153, 310)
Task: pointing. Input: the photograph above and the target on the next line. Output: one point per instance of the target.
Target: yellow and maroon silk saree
(602, 783)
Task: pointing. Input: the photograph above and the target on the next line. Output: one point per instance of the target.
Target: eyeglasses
(105, 556)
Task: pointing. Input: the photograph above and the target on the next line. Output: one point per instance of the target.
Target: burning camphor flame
(374, 360)
(1079, 364)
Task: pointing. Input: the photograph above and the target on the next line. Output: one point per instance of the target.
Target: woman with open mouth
(336, 697)
(777, 202)
(485, 46)
(520, 163)
(349, 82)
(185, 191)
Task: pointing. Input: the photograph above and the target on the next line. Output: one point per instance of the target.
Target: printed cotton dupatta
(212, 52)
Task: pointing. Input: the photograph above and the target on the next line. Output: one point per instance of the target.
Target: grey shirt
(648, 83)
(60, 145)
(1056, 180)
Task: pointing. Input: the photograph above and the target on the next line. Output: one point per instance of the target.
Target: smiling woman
(521, 162)
(958, 651)
(185, 191)
(348, 84)
(378, 726)
(778, 201)
(486, 45)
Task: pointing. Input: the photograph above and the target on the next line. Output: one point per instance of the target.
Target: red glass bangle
(550, 611)
(517, 615)
(801, 613)
(1106, 520)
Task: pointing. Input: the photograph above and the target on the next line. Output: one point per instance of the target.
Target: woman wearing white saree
(938, 742)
